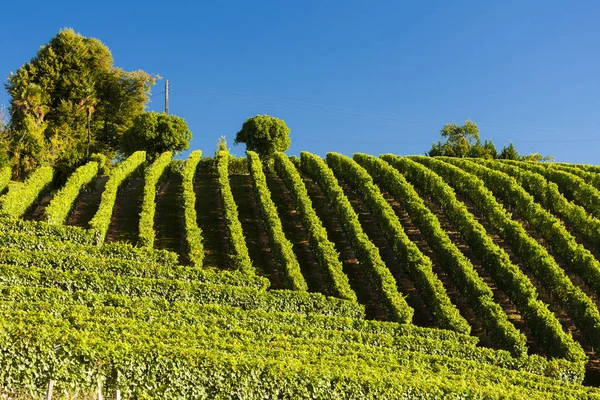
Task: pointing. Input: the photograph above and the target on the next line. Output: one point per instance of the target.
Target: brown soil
(316, 278)
(124, 224)
(209, 214)
(255, 233)
(371, 297)
(87, 203)
(406, 287)
(168, 219)
(456, 297)
(36, 211)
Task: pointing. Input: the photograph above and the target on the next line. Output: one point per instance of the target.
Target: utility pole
(167, 97)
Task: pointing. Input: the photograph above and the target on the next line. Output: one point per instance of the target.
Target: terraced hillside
(363, 277)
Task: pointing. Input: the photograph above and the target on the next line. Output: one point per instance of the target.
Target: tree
(71, 101)
(265, 135)
(461, 138)
(537, 157)
(509, 153)
(156, 133)
(461, 141)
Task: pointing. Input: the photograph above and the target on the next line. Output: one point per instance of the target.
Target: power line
(388, 119)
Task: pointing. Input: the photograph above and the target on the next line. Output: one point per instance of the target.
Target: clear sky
(351, 76)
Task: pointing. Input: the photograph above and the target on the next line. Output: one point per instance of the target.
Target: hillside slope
(363, 277)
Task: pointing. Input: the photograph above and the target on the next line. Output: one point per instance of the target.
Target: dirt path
(370, 297)
(124, 224)
(36, 211)
(87, 203)
(168, 219)
(257, 239)
(209, 214)
(315, 277)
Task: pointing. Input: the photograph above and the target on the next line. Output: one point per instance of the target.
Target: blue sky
(351, 76)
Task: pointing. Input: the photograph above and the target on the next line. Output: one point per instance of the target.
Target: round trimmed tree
(265, 135)
(156, 133)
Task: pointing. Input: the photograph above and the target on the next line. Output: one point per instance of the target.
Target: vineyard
(346, 277)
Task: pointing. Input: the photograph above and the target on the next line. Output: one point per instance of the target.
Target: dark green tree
(69, 101)
(509, 153)
(265, 135)
(156, 133)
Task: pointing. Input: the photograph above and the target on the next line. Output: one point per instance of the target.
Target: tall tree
(66, 99)
(265, 135)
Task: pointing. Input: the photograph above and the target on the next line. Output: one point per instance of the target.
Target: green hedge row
(193, 233)
(582, 309)
(416, 265)
(141, 366)
(5, 175)
(16, 202)
(544, 326)
(217, 315)
(101, 220)
(151, 178)
(26, 241)
(171, 290)
(73, 234)
(235, 234)
(321, 247)
(458, 267)
(61, 205)
(280, 245)
(143, 269)
(200, 333)
(380, 277)
(572, 186)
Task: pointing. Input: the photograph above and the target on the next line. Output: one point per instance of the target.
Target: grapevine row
(24, 241)
(73, 234)
(571, 185)
(76, 282)
(57, 211)
(239, 251)
(198, 332)
(367, 253)
(554, 279)
(280, 245)
(139, 365)
(578, 219)
(193, 233)
(544, 326)
(417, 266)
(151, 177)
(460, 269)
(322, 247)
(16, 202)
(101, 220)
(143, 269)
